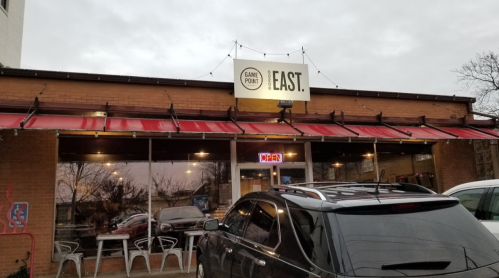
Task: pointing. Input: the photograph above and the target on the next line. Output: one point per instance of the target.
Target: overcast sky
(403, 46)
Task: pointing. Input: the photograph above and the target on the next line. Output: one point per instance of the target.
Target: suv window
(379, 242)
(470, 198)
(235, 219)
(263, 225)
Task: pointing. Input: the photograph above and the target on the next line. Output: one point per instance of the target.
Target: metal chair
(66, 251)
(167, 245)
(141, 252)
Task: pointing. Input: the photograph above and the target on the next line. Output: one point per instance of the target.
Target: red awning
(53, 122)
(468, 133)
(140, 125)
(268, 128)
(12, 121)
(324, 130)
(208, 127)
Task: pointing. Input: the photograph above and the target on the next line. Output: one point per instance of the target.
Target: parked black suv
(174, 221)
(347, 230)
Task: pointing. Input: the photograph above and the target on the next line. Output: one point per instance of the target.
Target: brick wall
(12, 88)
(28, 162)
(455, 163)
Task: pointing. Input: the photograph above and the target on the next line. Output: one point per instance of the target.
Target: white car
(481, 198)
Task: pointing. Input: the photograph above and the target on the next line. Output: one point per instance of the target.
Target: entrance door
(254, 178)
(291, 174)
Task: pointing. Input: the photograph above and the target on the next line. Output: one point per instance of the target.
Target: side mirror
(211, 225)
(207, 215)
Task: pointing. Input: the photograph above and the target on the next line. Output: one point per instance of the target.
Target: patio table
(190, 240)
(100, 240)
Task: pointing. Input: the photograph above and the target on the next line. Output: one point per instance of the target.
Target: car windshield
(419, 243)
(180, 213)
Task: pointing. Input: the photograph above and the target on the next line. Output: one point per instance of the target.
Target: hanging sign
(270, 157)
(270, 80)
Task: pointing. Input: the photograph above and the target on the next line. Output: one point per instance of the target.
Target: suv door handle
(228, 250)
(260, 262)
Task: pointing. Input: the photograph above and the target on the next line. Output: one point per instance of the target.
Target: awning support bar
(380, 119)
(290, 123)
(105, 119)
(35, 111)
(172, 113)
(342, 124)
(482, 131)
(234, 119)
(436, 128)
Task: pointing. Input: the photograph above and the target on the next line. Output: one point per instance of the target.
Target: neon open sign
(270, 157)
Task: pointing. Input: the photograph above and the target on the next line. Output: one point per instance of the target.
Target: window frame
(243, 238)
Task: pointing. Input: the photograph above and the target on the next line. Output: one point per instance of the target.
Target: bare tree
(120, 195)
(77, 182)
(169, 187)
(482, 76)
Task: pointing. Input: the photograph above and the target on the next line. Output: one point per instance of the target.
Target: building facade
(193, 142)
(11, 32)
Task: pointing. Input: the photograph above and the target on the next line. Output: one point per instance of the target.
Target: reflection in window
(309, 226)
(262, 227)
(493, 211)
(234, 220)
(93, 198)
(470, 198)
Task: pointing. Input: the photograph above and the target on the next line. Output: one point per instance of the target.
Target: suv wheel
(201, 269)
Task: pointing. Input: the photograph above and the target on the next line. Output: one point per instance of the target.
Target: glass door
(255, 178)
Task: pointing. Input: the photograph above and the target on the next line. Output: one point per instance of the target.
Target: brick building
(51, 120)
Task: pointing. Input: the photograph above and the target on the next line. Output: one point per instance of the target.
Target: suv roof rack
(341, 190)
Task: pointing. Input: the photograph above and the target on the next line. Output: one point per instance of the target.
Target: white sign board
(270, 80)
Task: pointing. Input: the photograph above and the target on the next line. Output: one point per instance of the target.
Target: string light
(265, 138)
(203, 135)
(425, 141)
(134, 135)
(212, 71)
(349, 139)
(400, 142)
(375, 140)
(322, 139)
(448, 141)
(235, 136)
(96, 134)
(169, 135)
(294, 138)
(319, 72)
(57, 133)
(15, 132)
(471, 141)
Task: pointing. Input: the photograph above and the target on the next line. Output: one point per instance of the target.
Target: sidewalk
(167, 273)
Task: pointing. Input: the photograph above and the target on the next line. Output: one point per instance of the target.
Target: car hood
(186, 223)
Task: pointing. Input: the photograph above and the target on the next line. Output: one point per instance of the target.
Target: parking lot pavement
(167, 273)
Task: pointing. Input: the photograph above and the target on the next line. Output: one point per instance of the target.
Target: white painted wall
(11, 33)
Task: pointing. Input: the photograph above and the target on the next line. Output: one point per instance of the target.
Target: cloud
(408, 46)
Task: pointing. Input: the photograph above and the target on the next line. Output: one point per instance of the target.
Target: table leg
(191, 242)
(97, 261)
(125, 248)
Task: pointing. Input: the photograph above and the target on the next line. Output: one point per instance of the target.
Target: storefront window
(343, 161)
(103, 188)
